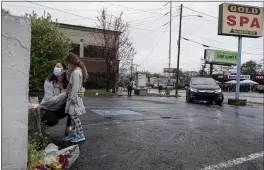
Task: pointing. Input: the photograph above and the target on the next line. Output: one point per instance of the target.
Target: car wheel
(188, 99)
(219, 102)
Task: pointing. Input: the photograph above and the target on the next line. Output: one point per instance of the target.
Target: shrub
(48, 46)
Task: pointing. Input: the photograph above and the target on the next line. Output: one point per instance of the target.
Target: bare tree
(118, 50)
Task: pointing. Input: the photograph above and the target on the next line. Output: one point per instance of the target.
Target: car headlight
(218, 90)
(193, 89)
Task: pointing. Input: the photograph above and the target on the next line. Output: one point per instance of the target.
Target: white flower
(48, 160)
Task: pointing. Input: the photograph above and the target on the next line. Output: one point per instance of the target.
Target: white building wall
(16, 33)
(89, 37)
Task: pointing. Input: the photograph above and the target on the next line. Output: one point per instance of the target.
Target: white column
(81, 48)
(16, 33)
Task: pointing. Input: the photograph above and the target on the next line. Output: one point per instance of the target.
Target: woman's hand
(68, 88)
(81, 93)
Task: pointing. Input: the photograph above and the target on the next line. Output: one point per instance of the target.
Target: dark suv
(204, 88)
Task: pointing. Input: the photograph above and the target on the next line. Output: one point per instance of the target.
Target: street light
(199, 16)
(179, 47)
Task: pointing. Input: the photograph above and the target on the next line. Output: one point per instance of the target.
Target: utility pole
(179, 50)
(169, 77)
(131, 68)
(170, 44)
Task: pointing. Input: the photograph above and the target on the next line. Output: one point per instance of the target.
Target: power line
(201, 12)
(155, 45)
(62, 11)
(150, 21)
(87, 17)
(134, 8)
(19, 6)
(216, 47)
(143, 19)
(205, 38)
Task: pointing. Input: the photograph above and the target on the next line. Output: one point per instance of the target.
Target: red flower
(63, 160)
(41, 167)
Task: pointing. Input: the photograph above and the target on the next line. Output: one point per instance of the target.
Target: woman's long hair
(52, 78)
(74, 59)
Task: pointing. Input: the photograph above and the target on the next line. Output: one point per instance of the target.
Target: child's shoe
(78, 138)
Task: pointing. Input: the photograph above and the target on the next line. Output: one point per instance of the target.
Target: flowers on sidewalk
(53, 162)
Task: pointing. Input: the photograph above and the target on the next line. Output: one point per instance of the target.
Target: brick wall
(94, 66)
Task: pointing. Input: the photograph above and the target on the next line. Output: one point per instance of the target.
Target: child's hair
(74, 59)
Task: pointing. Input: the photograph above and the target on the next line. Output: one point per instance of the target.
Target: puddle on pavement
(115, 112)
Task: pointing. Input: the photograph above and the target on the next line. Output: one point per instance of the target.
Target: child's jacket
(74, 104)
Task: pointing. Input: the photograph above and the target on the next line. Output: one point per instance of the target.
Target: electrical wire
(216, 47)
(150, 21)
(88, 17)
(19, 6)
(154, 46)
(133, 8)
(147, 22)
(201, 12)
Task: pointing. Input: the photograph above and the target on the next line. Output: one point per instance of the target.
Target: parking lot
(167, 133)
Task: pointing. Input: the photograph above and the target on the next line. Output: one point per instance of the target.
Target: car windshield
(203, 81)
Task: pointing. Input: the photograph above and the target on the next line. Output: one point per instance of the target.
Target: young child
(74, 104)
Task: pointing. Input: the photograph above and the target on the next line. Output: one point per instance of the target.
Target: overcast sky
(147, 20)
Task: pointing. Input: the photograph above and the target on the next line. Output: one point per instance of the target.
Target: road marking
(234, 162)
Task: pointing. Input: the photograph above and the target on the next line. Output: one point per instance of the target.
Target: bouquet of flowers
(53, 162)
(58, 159)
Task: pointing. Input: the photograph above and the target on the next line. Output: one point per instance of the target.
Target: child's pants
(77, 124)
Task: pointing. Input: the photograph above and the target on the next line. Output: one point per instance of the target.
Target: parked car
(204, 88)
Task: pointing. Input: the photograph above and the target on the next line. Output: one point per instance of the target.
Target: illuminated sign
(240, 20)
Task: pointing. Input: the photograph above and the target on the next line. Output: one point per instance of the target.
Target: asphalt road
(167, 133)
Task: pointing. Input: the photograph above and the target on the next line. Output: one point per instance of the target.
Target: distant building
(87, 44)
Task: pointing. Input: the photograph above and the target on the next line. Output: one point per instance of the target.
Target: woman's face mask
(57, 71)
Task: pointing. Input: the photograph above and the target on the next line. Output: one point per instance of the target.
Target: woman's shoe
(78, 138)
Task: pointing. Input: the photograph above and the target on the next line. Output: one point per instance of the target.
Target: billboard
(220, 57)
(240, 20)
(171, 70)
(243, 77)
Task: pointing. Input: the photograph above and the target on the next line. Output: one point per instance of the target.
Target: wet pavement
(156, 133)
(251, 97)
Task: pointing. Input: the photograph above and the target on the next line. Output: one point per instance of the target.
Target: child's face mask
(57, 71)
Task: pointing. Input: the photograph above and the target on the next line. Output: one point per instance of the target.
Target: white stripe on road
(234, 162)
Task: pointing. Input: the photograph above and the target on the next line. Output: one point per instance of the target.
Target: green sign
(220, 57)
(243, 32)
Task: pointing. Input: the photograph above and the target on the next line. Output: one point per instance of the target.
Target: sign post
(242, 21)
(238, 67)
